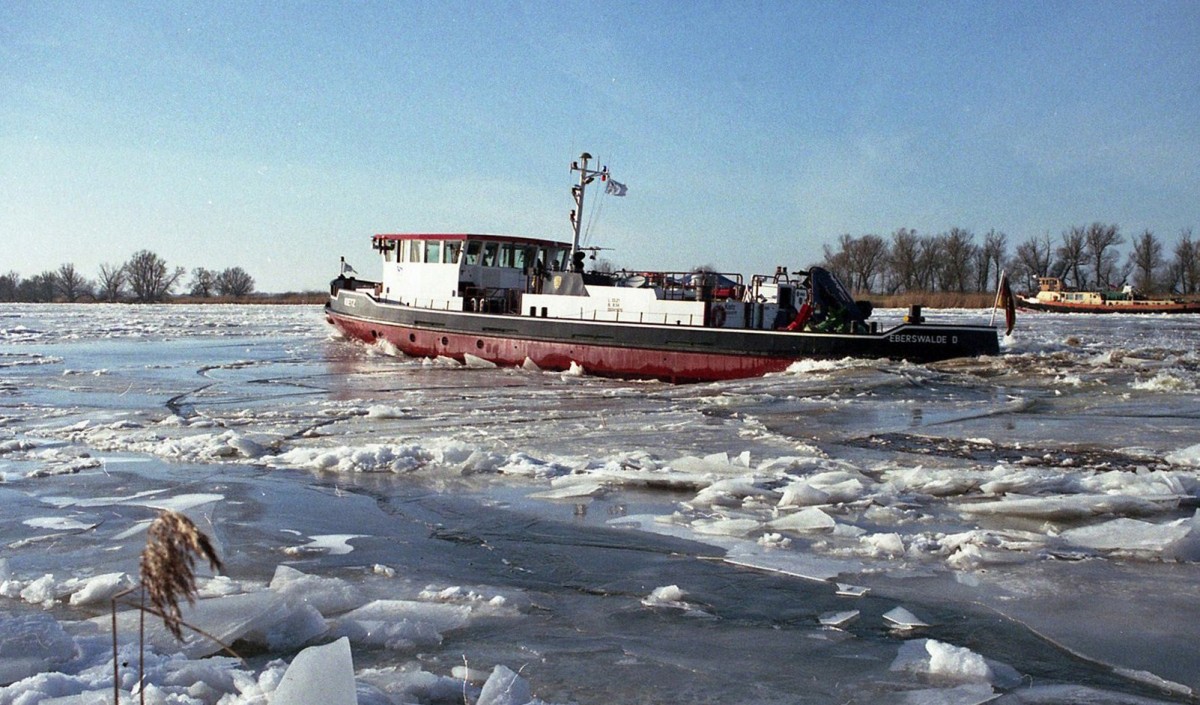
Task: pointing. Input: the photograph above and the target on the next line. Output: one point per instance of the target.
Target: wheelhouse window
(490, 251)
(474, 249)
(506, 254)
(414, 250)
(433, 251)
(450, 252)
(557, 259)
(522, 257)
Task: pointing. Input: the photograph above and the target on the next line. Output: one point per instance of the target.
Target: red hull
(1147, 306)
(602, 360)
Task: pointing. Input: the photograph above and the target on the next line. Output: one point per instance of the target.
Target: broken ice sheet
(1124, 534)
(838, 619)
(401, 624)
(30, 644)
(900, 618)
(228, 618)
(848, 590)
(319, 674)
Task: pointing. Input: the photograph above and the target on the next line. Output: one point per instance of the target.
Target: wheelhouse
(465, 272)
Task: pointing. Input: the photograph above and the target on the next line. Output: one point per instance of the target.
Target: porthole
(479, 344)
(445, 340)
(412, 337)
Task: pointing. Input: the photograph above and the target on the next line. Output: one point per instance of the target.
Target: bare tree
(993, 257)
(42, 288)
(111, 284)
(149, 277)
(957, 264)
(904, 261)
(1070, 255)
(838, 261)
(204, 282)
(929, 264)
(1032, 260)
(868, 255)
(1102, 242)
(234, 282)
(9, 285)
(72, 285)
(1146, 261)
(1185, 268)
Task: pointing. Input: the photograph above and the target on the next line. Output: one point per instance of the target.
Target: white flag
(615, 187)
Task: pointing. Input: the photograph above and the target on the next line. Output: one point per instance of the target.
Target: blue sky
(278, 136)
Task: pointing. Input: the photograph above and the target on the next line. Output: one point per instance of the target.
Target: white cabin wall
(611, 303)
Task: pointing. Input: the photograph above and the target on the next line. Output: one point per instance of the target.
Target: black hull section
(620, 349)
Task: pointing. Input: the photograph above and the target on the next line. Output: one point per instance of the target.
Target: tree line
(144, 278)
(1084, 257)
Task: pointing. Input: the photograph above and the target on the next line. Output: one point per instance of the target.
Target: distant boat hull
(636, 350)
(1127, 306)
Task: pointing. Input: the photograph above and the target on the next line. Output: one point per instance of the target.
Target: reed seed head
(168, 562)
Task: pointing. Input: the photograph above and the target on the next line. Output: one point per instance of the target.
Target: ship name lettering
(915, 338)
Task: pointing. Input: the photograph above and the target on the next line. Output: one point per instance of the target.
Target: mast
(586, 176)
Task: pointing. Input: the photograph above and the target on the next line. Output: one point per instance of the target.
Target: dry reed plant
(168, 565)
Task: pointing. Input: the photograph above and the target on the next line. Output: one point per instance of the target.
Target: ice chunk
(401, 624)
(802, 565)
(101, 588)
(478, 363)
(963, 694)
(807, 519)
(180, 503)
(319, 674)
(730, 491)
(327, 595)
(726, 527)
(588, 488)
(299, 627)
(58, 524)
(227, 618)
(43, 591)
(673, 597)
(938, 658)
(954, 663)
(1080, 506)
(504, 687)
(848, 590)
(838, 619)
(30, 644)
(883, 545)
(1125, 534)
(901, 618)
(1189, 457)
(332, 544)
(802, 494)
(382, 411)
(246, 447)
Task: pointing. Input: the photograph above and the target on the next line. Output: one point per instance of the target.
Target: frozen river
(1015, 530)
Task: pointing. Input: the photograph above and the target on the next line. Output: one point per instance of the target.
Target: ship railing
(656, 318)
(438, 304)
(684, 286)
